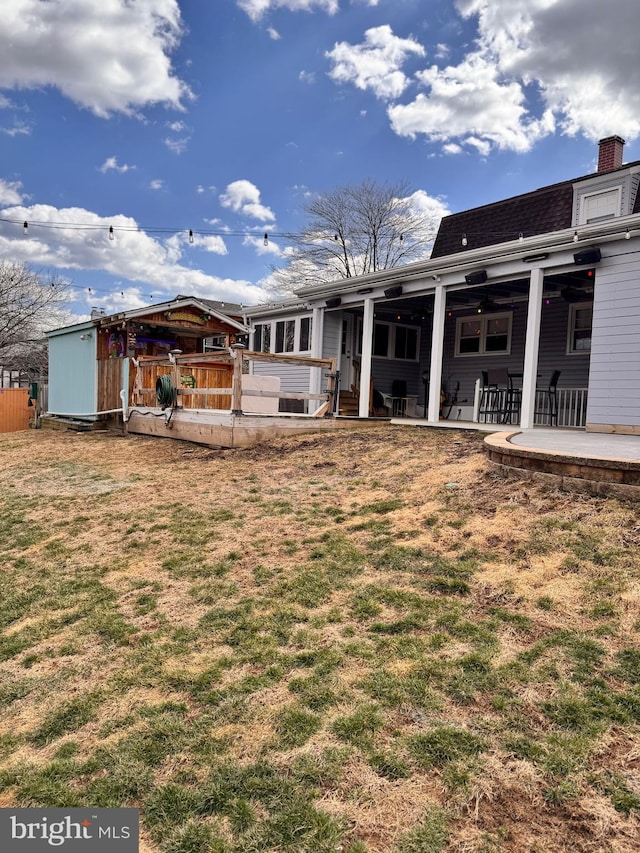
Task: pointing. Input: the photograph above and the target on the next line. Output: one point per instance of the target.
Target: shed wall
(72, 373)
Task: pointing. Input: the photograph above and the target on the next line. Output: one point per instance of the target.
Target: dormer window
(598, 206)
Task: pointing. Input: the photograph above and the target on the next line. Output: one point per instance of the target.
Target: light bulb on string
(25, 228)
(464, 240)
(265, 242)
(191, 237)
(111, 234)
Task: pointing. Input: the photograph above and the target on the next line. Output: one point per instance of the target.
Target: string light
(575, 237)
(111, 235)
(520, 237)
(265, 242)
(464, 240)
(25, 227)
(627, 236)
(191, 237)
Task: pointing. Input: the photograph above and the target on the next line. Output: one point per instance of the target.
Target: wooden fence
(215, 380)
(14, 409)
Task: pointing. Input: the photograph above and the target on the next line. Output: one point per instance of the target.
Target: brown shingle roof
(546, 209)
(538, 212)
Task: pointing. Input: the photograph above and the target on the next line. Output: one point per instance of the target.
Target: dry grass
(362, 641)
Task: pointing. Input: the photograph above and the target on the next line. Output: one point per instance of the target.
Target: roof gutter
(461, 262)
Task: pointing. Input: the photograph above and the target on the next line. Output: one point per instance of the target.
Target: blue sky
(225, 116)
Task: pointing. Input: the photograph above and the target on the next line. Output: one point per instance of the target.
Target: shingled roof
(538, 212)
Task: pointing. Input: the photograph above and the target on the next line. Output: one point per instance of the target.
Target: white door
(346, 353)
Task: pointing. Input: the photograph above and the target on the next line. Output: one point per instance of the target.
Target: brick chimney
(610, 153)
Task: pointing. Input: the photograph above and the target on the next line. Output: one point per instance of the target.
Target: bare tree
(354, 230)
(30, 303)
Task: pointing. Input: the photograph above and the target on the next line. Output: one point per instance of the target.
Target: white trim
(483, 320)
(531, 349)
(571, 329)
(584, 198)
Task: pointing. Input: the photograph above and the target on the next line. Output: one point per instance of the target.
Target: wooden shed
(89, 362)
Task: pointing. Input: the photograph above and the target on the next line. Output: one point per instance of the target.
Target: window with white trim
(216, 342)
(596, 207)
(283, 336)
(483, 334)
(262, 337)
(579, 332)
(391, 340)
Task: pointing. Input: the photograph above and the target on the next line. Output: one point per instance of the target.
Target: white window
(596, 207)
(391, 340)
(288, 336)
(262, 337)
(217, 342)
(579, 333)
(484, 334)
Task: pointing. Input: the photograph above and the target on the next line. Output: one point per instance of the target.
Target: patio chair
(493, 390)
(550, 396)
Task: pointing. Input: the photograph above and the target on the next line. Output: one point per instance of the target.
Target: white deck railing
(572, 407)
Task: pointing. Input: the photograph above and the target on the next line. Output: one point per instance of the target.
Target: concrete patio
(592, 463)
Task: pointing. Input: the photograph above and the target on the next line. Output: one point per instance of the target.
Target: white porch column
(317, 334)
(437, 349)
(531, 348)
(365, 361)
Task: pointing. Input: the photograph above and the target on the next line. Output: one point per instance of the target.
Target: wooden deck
(216, 404)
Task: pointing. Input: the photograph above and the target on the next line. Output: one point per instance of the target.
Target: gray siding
(332, 334)
(614, 388)
(552, 354)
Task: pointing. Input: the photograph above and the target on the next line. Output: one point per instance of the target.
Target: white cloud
(19, 128)
(307, 77)
(133, 255)
(273, 34)
(258, 243)
(10, 192)
(256, 9)
(210, 243)
(177, 146)
(536, 65)
(156, 184)
(111, 164)
(176, 126)
(244, 197)
(469, 100)
(106, 55)
(374, 64)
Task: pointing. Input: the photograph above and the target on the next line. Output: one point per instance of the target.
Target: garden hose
(166, 393)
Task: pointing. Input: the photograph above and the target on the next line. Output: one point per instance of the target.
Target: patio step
(349, 404)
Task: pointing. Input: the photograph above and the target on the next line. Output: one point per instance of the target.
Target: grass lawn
(360, 641)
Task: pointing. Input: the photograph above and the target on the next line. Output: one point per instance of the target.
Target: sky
(225, 117)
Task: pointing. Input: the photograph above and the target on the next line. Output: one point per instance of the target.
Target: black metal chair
(499, 399)
(550, 393)
(492, 392)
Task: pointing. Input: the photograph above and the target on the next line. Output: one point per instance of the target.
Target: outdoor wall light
(392, 292)
(86, 337)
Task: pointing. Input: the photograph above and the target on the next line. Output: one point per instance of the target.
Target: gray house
(527, 312)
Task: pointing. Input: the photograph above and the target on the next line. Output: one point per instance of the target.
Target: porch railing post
(365, 363)
(437, 350)
(531, 348)
(237, 351)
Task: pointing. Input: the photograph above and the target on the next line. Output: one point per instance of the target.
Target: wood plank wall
(218, 376)
(14, 409)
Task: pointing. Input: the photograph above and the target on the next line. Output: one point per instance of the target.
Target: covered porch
(506, 351)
